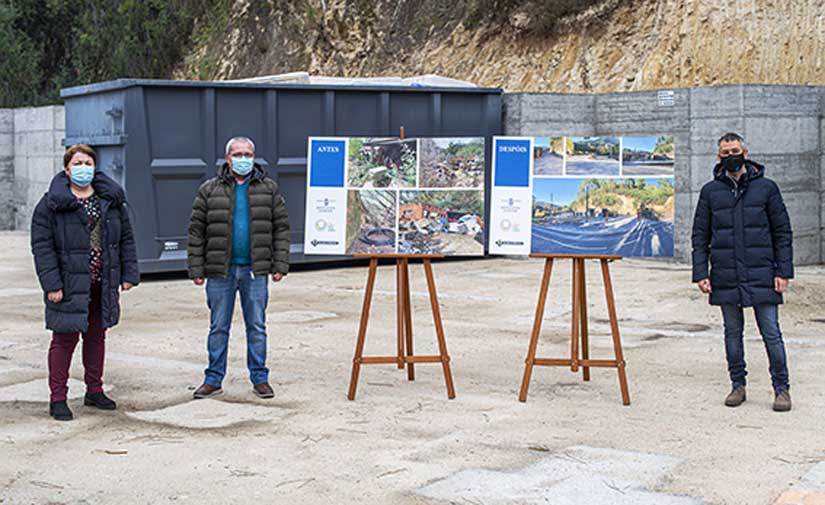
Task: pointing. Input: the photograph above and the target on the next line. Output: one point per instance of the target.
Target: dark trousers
(767, 319)
(63, 345)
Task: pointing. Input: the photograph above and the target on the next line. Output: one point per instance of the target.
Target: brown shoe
(736, 397)
(207, 391)
(263, 390)
(782, 402)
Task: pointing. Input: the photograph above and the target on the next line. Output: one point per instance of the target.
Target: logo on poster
(328, 149)
(323, 225)
(507, 225)
(325, 205)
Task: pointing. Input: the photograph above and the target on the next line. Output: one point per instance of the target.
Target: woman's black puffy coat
(60, 244)
(744, 230)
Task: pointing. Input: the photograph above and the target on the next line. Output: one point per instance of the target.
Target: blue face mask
(242, 165)
(82, 175)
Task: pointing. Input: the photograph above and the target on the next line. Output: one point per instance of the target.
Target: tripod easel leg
(583, 312)
(362, 329)
(408, 333)
(574, 332)
(399, 290)
(614, 329)
(534, 337)
(439, 329)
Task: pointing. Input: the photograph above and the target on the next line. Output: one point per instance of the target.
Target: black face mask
(733, 162)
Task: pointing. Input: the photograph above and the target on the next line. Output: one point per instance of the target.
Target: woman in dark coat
(84, 253)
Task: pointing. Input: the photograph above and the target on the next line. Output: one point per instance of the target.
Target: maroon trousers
(62, 348)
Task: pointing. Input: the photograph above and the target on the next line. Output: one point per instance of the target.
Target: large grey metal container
(161, 139)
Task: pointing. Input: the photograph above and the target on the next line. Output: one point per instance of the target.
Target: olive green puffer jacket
(210, 228)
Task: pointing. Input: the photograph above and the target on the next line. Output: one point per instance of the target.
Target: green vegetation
(46, 45)
(468, 202)
(664, 146)
(19, 60)
(598, 146)
(355, 146)
(606, 192)
(398, 158)
(468, 150)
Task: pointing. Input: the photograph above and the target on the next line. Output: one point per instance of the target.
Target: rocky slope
(611, 45)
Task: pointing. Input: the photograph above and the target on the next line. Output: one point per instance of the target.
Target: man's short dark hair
(731, 137)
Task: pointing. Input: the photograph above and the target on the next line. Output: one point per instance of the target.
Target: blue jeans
(220, 296)
(767, 319)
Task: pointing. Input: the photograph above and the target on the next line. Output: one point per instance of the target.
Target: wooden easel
(405, 355)
(578, 326)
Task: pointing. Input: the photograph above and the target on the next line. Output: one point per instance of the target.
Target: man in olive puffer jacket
(238, 237)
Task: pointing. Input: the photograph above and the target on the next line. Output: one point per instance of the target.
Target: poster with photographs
(392, 195)
(610, 195)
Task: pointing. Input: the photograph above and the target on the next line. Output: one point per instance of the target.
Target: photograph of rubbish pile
(382, 163)
(452, 162)
(447, 222)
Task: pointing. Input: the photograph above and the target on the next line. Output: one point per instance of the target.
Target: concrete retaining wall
(6, 169)
(783, 127)
(30, 154)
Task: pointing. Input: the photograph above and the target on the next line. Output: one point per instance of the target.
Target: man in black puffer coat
(742, 228)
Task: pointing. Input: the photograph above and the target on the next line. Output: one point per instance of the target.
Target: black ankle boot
(99, 400)
(60, 411)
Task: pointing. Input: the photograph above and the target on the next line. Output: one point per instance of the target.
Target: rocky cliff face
(612, 45)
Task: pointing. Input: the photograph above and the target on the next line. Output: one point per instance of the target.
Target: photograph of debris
(592, 156)
(371, 221)
(449, 222)
(451, 162)
(382, 163)
(548, 155)
(621, 216)
(644, 156)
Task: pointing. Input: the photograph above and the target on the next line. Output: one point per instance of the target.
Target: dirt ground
(403, 442)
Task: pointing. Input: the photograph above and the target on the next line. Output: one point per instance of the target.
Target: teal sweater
(240, 226)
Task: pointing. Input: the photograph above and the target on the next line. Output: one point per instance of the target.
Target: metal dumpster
(160, 139)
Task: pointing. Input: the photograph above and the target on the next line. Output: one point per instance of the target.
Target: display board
(392, 195)
(583, 195)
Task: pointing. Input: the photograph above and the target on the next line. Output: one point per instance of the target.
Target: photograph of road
(449, 222)
(371, 221)
(451, 162)
(592, 156)
(621, 216)
(382, 163)
(548, 155)
(648, 156)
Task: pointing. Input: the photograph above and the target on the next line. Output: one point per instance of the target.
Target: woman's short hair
(78, 148)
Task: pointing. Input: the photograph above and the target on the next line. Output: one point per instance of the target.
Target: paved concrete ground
(405, 443)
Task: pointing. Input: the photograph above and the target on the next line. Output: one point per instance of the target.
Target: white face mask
(242, 165)
(82, 175)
